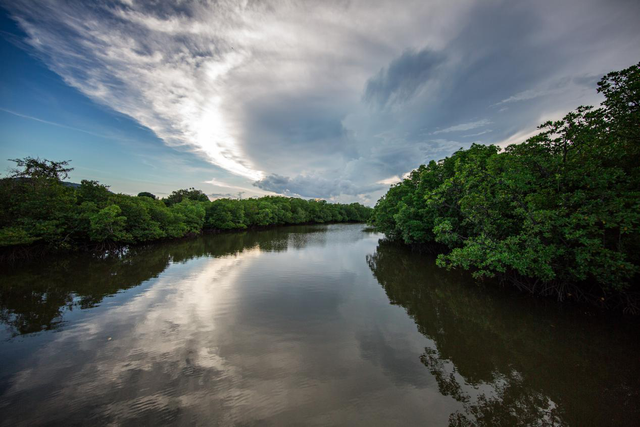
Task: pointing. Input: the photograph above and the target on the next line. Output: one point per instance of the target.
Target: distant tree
(36, 168)
(186, 194)
(225, 214)
(147, 194)
(93, 191)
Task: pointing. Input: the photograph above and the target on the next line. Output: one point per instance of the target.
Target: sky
(315, 99)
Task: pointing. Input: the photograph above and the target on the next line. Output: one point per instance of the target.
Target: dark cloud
(312, 186)
(299, 120)
(403, 77)
(589, 81)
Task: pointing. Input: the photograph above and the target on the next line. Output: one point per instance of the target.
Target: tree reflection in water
(34, 296)
(512, 360)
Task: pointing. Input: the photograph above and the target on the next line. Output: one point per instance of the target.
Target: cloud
(464, 126)
(517, 138)
(215, 196)
(553, 88)
(311, 186)
(222, 184)
(527, 95)
(165, 70)
(391, 180)
(331, 99)
(478, 133)
(403, 77)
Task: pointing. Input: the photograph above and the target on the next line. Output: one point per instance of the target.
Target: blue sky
(316, 99)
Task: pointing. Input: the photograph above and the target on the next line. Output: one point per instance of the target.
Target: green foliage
(147, 194)
(35, 204)
(188, 194)
(10, 236)
(191, 214)
(108, 224)
(561, 208)
(37, 169)
(39, 209)
(93, 191)
(225, 214)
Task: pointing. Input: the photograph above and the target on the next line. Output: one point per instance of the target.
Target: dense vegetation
(559, 213)
(39, 208)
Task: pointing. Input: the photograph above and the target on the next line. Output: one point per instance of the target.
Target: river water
(306, 325)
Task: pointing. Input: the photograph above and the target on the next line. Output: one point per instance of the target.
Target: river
(304, 325)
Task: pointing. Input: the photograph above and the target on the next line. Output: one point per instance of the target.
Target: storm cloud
(312, 186)
(332, 99)
(403, 78)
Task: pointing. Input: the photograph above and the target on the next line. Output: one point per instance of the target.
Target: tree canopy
(36, 168)
(147, 194)
(186, 194)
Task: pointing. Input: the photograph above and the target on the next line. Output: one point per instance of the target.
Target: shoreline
(12, 254)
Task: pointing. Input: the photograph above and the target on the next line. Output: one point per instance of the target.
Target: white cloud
(524, 134)
(517, 138)
(464, 126)
(478, 134)
(554, 87)
(527, 95)
(391, 180)
(222, 184)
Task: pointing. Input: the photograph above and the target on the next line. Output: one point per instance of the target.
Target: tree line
(556, 214)
(40, 209)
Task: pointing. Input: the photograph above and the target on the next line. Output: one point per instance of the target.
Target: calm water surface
(314, 325)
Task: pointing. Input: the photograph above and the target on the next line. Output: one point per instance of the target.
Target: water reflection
(511, 360)
(293, 326)
(268, 332)
(35, 296)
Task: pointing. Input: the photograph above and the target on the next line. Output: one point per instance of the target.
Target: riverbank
(41, 214)
(14, 254)
(580, 295)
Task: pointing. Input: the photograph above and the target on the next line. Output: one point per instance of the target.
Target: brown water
(314, 325)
